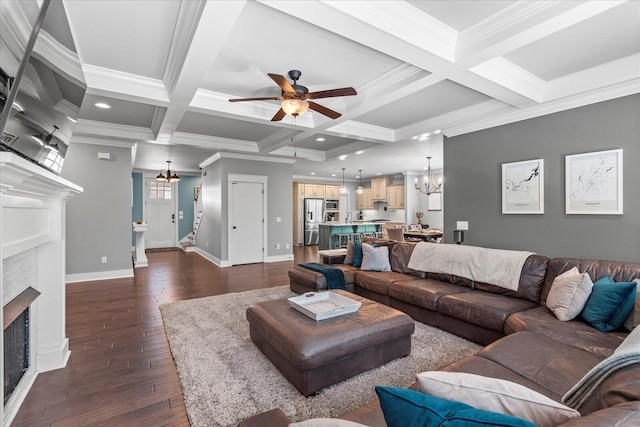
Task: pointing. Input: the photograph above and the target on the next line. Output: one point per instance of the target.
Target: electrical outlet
(286, 246)
(206, 245)
(277, 245)
(104, 259)
(278, 219)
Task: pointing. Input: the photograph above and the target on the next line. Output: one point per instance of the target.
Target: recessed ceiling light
(360, 152)
(321, 139)
(102, 105)
(344, 156)
(72, 120)
(333, 174)
(313, 173)
(379, 173)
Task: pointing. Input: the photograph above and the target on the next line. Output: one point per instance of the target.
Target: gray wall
(473, 181)
(214, 224)
(98, 219)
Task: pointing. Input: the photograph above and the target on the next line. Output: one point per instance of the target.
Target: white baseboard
(211, 258)
(54, 357)
(99, 275)
(279, 258)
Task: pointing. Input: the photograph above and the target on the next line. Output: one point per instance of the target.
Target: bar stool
(340, 240)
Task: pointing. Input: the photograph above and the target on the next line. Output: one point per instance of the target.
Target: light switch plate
(462, 225)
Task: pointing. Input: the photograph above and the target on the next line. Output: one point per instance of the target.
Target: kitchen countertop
(342, 224)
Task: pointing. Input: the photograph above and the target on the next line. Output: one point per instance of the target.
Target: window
(160, 190)
(54, 161)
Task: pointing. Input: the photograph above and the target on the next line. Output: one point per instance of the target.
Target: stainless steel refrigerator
(313, 215)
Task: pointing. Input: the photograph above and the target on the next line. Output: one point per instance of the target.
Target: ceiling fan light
(295, 107)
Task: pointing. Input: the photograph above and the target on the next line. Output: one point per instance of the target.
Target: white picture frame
(523, 187)
(593, 183)
(435, 202)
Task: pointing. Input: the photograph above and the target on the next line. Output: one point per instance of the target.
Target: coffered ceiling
(168, 68)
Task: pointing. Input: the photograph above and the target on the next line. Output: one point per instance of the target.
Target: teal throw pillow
(357, 254)
(609, 304)
(408, 408)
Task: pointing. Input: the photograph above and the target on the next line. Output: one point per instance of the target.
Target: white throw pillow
(633, 319)
(492, 394)
(375, 259)
(326, 422)
(569, 294)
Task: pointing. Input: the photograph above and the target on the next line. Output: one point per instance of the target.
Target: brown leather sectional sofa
(525, 342)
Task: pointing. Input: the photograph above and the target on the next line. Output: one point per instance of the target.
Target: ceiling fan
(295, 97)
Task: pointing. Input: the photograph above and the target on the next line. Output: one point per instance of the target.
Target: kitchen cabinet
(395, 197)
(379, 188)
(298, 214)
(332, 191)
(314, 190)
(363, 201)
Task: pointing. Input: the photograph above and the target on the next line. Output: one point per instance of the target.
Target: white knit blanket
(627, 354)
(497, 267)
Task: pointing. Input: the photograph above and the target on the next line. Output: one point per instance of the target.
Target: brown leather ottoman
(315, 354)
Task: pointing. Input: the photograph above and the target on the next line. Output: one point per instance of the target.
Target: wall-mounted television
(41, 81)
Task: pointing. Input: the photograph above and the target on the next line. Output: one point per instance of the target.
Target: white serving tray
(323, 305)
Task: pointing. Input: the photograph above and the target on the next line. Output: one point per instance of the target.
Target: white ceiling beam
(125, 86)
(104, 129)
(215, 23)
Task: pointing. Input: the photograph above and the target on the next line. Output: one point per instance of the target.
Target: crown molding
(405, 22)
(359, 130)
(16, 31)
(106, 130)
(508, 75)
(183, 33)
(57, 56)
(609, 74)
(615, 91)
(96, 140)
(213, 142)
(122, 85)
(241, 156)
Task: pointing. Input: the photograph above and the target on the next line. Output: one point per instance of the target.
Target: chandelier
(428, 185)
(360, 188)
(343, 189)
(172, 176)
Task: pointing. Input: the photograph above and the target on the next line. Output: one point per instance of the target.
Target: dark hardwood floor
(121, 372)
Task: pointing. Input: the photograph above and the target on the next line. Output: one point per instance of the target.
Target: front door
(160, 214)
(246, 224)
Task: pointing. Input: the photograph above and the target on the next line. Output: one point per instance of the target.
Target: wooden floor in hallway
(121, 372)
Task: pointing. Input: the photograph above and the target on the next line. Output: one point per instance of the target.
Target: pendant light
(343, 189)
(170, 177)
(360, 188)
(428, 185)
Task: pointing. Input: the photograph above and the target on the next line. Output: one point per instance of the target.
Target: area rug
(226, 379)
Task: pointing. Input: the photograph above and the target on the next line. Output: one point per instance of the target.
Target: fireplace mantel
(32, 202)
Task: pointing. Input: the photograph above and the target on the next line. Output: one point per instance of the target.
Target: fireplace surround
(32, 230)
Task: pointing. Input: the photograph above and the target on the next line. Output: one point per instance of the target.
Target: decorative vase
(419, 215)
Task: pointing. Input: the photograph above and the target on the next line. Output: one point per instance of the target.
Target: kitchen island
(334, 235)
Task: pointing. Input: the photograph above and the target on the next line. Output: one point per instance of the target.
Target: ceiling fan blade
(345, 91)
(267, 98)
(324, 110)
(279, 115)
(282, 82)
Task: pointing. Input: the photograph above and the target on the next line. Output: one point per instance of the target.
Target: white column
(140, 258)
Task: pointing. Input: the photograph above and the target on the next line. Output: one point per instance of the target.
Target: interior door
(246, 223)
(160, 214)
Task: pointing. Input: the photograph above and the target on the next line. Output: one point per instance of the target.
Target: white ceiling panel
(267, 41)
(433, 101)
(460, 14)
(611, 35)
(204, 124)
(130, 36)
(121, 112)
